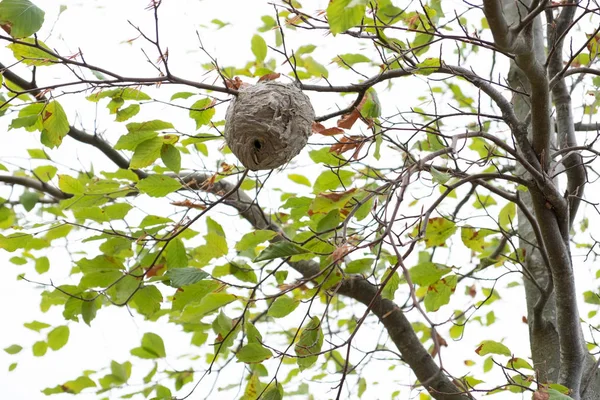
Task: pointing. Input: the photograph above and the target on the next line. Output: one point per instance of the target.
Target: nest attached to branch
(268, 124)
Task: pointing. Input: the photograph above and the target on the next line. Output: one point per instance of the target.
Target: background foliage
(386, 246)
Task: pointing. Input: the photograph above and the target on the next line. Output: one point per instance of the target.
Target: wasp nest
(268, 124)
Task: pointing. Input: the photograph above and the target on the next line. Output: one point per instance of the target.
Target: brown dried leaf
(348, 143)
(155, 270)
(538, 395)
(188, 204)
(269, 77)
(7, 27)
(340, 252)
(331, 131)
(317, 127)
(337, 195)
(235, 83)
(349, 119)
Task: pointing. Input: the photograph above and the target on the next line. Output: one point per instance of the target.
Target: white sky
(99, 29)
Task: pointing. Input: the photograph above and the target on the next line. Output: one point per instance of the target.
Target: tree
(415, 203)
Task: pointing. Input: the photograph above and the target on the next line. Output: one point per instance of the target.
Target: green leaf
(439, 177)
(70, 185)
(329, 221)
(518, 363)
(120, 94)
(147, 300)
(428, 273)
(492, 347)
(55, 123)
(439, 293)
(202, 112)
(42, 265)
(146, 153)
(275, 392)
(360, 266)
(58, 337)
(24, 122)
(38, 154)
(484, 201)
(345, 14)
(428, 66)
(24, 241)
(259, 47)
(438, 230)
(176, 254)
(215, 247)
(280, 250)
(282, 306)
(249, 241)
(182, 95)
(306, 49)
(153, 125)
(32, 55)
(389, 291)
(309, 344)
(347, 60)
(209, 303)
(558, 395)
(152, 347)
(88, 311)
(45, 172)
(506, 218)
(126, 113)
(214, 227)
(315, 68)
(39, 348)
(13, 349)
(329, 180)
(158, 185)
(253, 353)
(12, 367)
(171, 156)
(131, 140)
(71, 387)
(252, 334)
(325, 157)
(36, 325)
(372, 106)
(185, 276)
(22, 17)
(28, 200)
(299, 179)
(152, 220)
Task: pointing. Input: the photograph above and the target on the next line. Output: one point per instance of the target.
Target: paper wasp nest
(268, 124)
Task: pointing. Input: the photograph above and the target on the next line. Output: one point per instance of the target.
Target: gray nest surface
(268, 124)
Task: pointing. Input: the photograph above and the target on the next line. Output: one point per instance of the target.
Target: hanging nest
(268, 124)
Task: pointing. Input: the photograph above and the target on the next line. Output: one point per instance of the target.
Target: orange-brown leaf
(7, 27)
(269, 77)
(340, 252)
(235, 83)
(348, 143)
(188, 204)
(317, 127)
(336, 196)
(331, 131)
(155, 270)
(349, 119)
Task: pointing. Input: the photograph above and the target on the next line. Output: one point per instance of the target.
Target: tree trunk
(543, 335)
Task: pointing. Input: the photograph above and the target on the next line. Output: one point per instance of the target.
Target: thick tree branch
(34, 184)
(358, 288)
(571, 340)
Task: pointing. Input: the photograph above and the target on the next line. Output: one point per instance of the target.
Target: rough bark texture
(268, 124)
